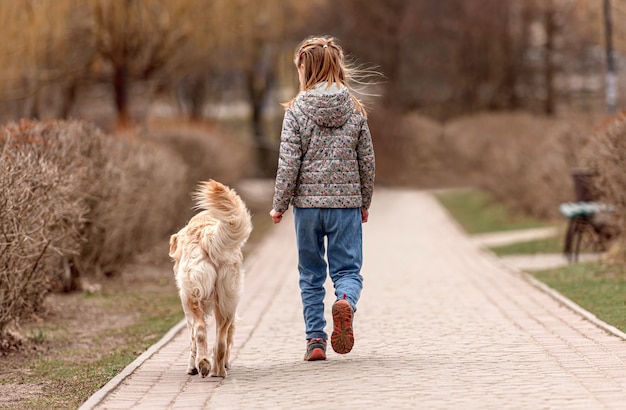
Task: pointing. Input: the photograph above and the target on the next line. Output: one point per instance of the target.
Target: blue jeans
(343, 230)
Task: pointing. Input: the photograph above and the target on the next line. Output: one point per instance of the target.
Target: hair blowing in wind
(323, 59)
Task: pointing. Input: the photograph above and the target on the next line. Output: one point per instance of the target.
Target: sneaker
(342, 338)
(315, 350)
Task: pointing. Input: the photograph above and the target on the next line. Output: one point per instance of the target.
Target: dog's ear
(173, 245)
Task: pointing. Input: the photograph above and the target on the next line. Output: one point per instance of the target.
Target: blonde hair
(322, 59)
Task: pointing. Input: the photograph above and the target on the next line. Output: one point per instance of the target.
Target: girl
(326, 170)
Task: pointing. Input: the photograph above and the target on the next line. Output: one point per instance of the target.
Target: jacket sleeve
(367, 165)
(289, 158)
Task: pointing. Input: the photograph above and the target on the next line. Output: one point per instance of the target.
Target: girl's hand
(364, 215)
(276, 216)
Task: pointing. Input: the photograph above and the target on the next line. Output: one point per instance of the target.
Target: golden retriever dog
(208, 259)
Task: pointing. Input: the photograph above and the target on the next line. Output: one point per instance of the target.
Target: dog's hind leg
(229, 343)
(223, 323)
(228, 288)
(199, 353)
(191, 366)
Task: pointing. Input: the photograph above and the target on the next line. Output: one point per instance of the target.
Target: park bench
(588, 226)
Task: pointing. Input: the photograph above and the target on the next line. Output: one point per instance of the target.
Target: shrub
(134, 200)
(525, 161)
(42, 214)
(76, 201)
(408, 149)
(207, 152)
(606, 158)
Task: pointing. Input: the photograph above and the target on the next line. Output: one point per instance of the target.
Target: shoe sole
(342, 338)
(316, 354)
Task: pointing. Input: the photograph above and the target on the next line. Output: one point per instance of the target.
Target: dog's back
(222, 226)
(231, 225)
(207, 264)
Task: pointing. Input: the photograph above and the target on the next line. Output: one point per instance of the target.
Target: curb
(97, 397)
(565, 301)
(559, 297)
(573, 306)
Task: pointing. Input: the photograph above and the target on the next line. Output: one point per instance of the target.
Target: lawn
(477, 212)
(599, 287)
(546, 245)
(88, 338)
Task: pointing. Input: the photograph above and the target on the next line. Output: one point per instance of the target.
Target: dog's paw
(219, 372)
(192, 371)
(205, 367)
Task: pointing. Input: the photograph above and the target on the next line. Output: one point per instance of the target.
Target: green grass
(597, 287)
(600, 288)
(71, 372)
(547, 245)
(73, 383)
(477, 212)
(71, 376)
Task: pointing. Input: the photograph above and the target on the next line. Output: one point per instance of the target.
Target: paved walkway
(528, 262)
(511, 237)
(441, 325)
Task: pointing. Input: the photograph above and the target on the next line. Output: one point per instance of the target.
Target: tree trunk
(33, 109)
(69, 96)
(512, 63)
(120, 89)
(196, 98)
(257, 88)
(259, 81)
(611, 77)
(548, 60)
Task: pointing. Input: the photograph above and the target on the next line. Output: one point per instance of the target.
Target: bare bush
(207, 152)
(42, 216)
(606, 158)
(408, 149)
(524, 160)
(77, 202)
(133, 202)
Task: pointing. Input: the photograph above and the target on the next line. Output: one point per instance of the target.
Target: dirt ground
(86, 325)
(71, 320)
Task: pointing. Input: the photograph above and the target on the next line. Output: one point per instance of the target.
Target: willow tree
(138, 41)
(43, 44)
(251, 39)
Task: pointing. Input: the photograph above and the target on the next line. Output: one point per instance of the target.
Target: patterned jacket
(326, 157)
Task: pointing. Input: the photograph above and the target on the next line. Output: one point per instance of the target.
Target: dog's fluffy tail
(223, 204)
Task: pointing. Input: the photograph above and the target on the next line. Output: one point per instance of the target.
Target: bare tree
(250, 40)
(139, 40)
(550, 28)
(611, 78)
(452, 56)
(36, 52)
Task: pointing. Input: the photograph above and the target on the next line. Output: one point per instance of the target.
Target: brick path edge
(559, 297)
(112, 384)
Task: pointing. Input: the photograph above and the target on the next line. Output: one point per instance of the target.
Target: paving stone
(441, 324)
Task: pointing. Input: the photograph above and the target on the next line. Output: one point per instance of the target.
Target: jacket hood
(327, 107)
